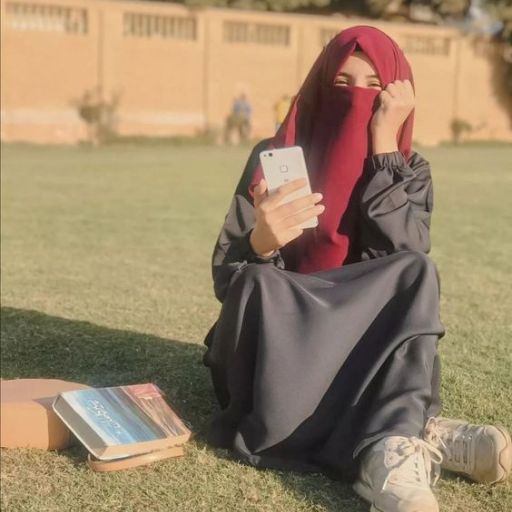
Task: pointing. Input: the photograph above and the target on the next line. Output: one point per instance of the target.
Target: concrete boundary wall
(176, 70)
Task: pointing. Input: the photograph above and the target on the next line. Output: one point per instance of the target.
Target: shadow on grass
(36, 345)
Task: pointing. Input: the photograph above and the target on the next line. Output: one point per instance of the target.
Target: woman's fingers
(396, 103)
(275, 198)
(400, 90)
(385, 97)
(295, 206)
(399, 87)
(392, 89)
(293, 221)
(277, 223)
(260, 193)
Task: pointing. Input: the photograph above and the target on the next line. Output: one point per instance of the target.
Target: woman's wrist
(383, 141)
(256, 251)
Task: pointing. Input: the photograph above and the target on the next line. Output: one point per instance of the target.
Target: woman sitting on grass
(324, 356)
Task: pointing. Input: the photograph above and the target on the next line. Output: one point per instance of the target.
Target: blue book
(121, 421)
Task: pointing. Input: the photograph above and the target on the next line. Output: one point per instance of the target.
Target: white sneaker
(483, 453)
(396, 474)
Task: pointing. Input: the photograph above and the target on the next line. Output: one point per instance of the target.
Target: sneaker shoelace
(454, 443)
(412, 462)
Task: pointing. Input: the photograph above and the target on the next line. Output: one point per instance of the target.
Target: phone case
(283, 165)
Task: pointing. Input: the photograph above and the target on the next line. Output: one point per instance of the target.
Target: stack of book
(120, 423)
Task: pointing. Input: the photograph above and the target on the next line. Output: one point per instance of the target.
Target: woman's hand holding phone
(277, 223)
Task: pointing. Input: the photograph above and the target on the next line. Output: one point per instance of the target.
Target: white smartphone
(283, 165)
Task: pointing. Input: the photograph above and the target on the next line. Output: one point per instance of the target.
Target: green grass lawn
(106, 280)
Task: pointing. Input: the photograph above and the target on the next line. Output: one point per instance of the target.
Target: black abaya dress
(309, 369)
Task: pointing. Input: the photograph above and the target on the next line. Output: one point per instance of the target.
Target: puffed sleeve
(396, 204)
(232, 249)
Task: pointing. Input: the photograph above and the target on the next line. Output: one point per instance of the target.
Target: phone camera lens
(270, 154)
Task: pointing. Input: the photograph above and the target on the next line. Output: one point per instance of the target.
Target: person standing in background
(243, 110)
(239, 120)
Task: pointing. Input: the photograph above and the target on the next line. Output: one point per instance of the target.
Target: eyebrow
(347, 75)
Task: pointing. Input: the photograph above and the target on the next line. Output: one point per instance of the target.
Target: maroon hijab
(332, 124)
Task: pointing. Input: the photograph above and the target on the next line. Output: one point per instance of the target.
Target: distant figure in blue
(239, 119)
